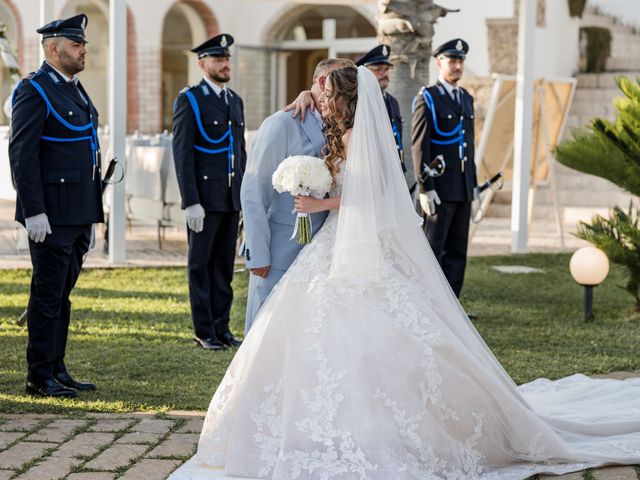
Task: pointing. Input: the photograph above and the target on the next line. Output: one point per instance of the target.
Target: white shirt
(449, 88)
(216, 89)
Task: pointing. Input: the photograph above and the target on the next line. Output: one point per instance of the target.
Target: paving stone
(568, 476)
(153, 425)
(176, 445)
(7, 438)
(149, 469)
(22, 453)
(91, 476)
(193, 425)
(114, 457)
(615, 473)
(57, 431)
(111, 425)
(49, 469)
(20, 424)
(6, 474)
(84, 444)
(140, 437)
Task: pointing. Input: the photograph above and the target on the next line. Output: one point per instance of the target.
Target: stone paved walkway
(138, 446)
(96, 446)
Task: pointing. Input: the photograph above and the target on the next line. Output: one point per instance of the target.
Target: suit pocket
(56, 186)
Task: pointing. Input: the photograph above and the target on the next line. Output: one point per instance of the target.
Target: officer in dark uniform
(443, 125)
(377, 60)
(210, 158)
(55, 162)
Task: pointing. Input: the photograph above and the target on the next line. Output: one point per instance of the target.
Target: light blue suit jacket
(267, 214)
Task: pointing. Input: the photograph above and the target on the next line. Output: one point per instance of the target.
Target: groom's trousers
(210, 268)
(259, 290)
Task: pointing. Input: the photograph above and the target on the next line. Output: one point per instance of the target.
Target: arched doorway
(94, 77)
(184, 27)
(307, 34)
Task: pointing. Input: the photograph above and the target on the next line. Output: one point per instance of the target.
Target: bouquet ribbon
(303, 228)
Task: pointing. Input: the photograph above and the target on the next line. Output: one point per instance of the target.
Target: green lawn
(131, 333)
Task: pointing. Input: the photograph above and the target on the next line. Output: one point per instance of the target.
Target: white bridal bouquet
(302, 175)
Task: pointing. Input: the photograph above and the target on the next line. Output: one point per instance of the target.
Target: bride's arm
(314, 205)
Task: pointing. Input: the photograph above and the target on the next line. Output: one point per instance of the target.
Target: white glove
(38, 227)
(428, 202)
(195, 217)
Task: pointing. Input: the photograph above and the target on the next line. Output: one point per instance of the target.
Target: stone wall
(252, 81)
(503, 39)
(149, 89)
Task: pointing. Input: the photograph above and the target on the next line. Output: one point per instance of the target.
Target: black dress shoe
(229, 340)
(209, 343)
(65, 379)
(50, 388)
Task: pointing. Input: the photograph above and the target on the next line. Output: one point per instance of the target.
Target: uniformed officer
(210, 157)
(377, 60)
(443, 125)
(55, 162)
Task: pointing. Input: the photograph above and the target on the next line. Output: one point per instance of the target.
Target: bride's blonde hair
(344, 82)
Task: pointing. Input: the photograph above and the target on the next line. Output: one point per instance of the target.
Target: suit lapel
(211, 98)
(312, 130)
(449, 101)
(63, 87)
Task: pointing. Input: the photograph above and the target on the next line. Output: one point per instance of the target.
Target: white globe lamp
(589, 266)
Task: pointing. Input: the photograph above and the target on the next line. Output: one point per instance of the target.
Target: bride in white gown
(362, 364)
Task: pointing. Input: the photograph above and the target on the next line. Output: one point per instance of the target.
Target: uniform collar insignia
(54, 77)
(459, 45)
(205, 89)
(223, 41)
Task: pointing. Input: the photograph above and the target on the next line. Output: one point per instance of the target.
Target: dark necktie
(75, 87)
(455, 94)
(223, 96)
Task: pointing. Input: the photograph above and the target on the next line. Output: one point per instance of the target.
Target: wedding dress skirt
(373, 381)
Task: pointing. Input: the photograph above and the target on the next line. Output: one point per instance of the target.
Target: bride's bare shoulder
(345, 141)
(346, 137)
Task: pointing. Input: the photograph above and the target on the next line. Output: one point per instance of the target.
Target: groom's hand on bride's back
(300, 104)
(261, 272)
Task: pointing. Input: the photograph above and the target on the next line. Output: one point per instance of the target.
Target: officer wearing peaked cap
(55, 162)
(209, 154)
(443, 124)
(377, 60)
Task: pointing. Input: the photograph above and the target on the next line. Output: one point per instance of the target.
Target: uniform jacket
(394, 115)
(54, 177)
(455, 185)
(203, 177)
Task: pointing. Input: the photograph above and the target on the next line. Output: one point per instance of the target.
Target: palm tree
(611, 150)
(407, 26)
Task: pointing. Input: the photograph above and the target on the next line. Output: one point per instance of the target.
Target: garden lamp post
(589, 267)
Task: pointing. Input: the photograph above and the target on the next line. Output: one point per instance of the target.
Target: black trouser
(56, 265)
(210, 266)
(448, 235)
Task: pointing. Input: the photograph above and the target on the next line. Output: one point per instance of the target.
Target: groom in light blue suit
(269, 216)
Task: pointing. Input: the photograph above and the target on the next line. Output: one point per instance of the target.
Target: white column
(329, 26)
(523, 127)
(118, 116)
(46, 16)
